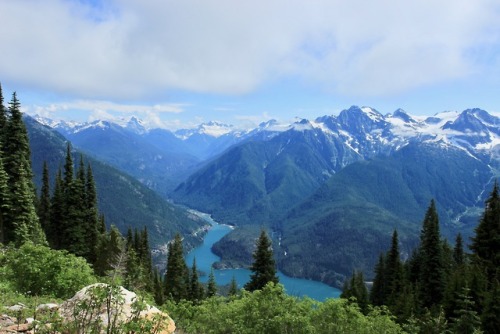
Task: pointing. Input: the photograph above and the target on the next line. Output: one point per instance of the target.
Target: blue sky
(178, 63)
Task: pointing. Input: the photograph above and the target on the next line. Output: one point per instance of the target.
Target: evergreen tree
(23, 214)
(16, 147)
(133, 279)
(68, 167)
(393, 271)
(490, 316)
(466, 319)
(5, 206)
(458, 251)
(263, 267)
(129, 239)
(158, 293)
(3, 113)
(21, 222)
(91, 215)
(116, 255)
(431, 282)
(102, 225)
(76, 229)
(145, 253)
(486, 243)
(177, 274)
(44, 202)
(356, 288)
(378, 293)
(455, 285)
(195, 292)
(233, 287)
(55, 231)
(211, 284)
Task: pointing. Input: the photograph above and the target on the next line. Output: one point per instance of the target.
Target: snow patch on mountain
(213, 129)
(362, 130)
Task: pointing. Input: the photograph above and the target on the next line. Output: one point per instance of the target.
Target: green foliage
(19, 222)
(431, 283)
(355, 289)
(123, 200)
(233, 287)
(5, 204)
(43, 209)
(211, 285)
(177, 274)
(38, 270)
(102, 310)
(271, 310)
(486, 242)
(263, 268)
(195, 289)
(236, 248)
(466, 319)
(489, 317)
(259, 181)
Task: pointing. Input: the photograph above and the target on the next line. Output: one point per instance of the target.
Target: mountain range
(124, 201)
(331, 189)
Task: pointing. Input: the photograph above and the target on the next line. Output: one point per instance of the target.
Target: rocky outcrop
(112, 306)
(96, 307)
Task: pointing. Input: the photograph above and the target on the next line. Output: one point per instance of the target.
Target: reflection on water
(205, 258)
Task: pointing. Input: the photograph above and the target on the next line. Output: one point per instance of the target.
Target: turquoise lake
(205, 258)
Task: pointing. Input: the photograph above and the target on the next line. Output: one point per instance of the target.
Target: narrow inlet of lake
(205, 258)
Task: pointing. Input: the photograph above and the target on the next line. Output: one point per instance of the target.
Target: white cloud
(90, 110)
(135, 49)
(96, 105)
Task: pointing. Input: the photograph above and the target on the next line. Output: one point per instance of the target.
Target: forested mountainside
(320, 184)
(333, 188)
(124, 201)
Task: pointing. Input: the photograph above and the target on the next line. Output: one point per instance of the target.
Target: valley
(206, 259)
(330, 190)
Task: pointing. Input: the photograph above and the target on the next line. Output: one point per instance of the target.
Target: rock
(91, 303)
(47, 307)
(22, 328)
(6, 321)
(16, 308)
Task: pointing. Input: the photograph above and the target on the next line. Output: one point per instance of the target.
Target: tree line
(440, 288)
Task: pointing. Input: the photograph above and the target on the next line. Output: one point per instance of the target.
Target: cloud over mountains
(134, 49)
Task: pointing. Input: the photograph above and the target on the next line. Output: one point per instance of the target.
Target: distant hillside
(349, 220)
(123, 200)
(257, 181)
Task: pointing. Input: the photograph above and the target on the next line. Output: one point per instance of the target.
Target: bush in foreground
(37, 270)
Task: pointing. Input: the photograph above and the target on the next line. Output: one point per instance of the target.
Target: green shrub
(40, 271)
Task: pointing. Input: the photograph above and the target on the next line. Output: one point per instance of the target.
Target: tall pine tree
(5, 205)
(263, 267)
(211, 284)
(486, 243)
(177, 274)
(3, 113)
(21, 222)
(44, 201)
(431, 282)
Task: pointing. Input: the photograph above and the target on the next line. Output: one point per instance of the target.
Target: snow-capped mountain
(332, 178)
(212, 129)
(362, 129)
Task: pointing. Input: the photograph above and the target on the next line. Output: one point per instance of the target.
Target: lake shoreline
(205, 260)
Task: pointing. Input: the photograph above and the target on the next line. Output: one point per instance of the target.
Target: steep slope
(154, 158)
(123, 200)
(257, 181)
(349, 220)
